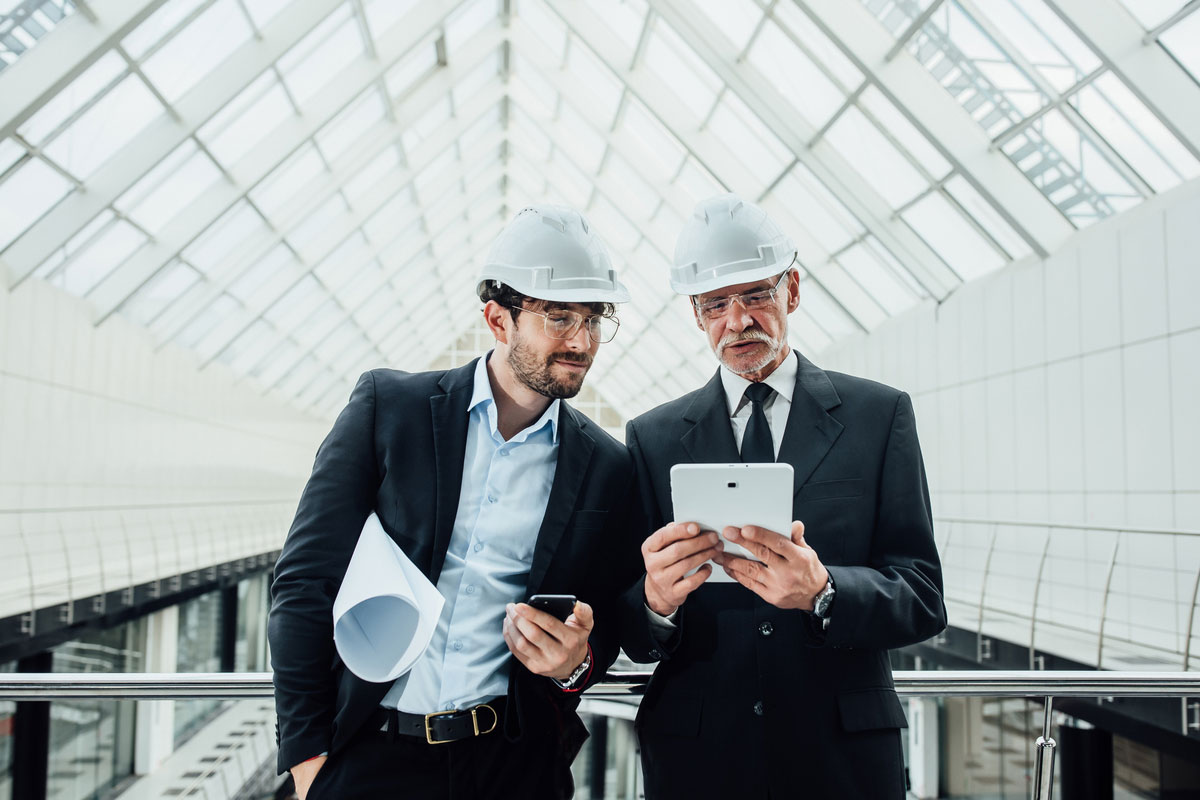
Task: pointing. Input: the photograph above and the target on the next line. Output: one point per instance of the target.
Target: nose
(737, 317)
(581, 340)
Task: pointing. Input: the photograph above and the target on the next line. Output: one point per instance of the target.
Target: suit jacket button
(655, 654)
(758, 708)
(766, 629)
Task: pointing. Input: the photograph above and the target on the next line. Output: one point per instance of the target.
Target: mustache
(748, 335)
(582, 359)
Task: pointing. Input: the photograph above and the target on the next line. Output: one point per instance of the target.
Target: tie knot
(758, 392)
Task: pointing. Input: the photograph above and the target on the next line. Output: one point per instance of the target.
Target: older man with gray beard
(777, 684)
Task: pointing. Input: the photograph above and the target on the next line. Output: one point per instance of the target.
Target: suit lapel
(449, 412)
(810, 431)
(710, 439)
(574, 455)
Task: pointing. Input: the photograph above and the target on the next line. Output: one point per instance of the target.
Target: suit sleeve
(637, 634)
(335, 503)
(896, 600)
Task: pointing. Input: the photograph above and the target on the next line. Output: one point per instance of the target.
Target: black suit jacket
(397, 449)
(774, 702)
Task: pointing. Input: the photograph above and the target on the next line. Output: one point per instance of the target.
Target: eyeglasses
(761, 298)
(562, 323)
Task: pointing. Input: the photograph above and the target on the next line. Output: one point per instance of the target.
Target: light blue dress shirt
(505, 488)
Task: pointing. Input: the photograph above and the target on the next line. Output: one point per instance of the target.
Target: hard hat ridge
(728, 241)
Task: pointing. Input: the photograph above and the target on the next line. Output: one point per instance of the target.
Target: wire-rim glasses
(562, 323)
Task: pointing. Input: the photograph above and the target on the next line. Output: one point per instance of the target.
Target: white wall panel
(1062, 305)
(1184, 353)
(1183, 262)
(1099, 293)
(1143, 277)
(1103, 422)
(1148, 417)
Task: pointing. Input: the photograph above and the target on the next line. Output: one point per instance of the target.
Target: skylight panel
(986, 215)
(382, 15)
(263, 11)
(279, 261)
(197, 49)
(26, 194)
(467, 20)
(794, 75)
(678, 66)
(1135, 132)
(638, 199)
(962, 247)
(589, 144)
(531, 135)
(736, 19)
(350, 125)
(231, 232)
(697, 182)
(206, 320)
(169, 188)
(111, 123)
(530, 92)
(434, 173)
(888, 118)
(249, 347)
(545, 25)
(10, 153)
(78, 93)
(822, 215)
(747, 138)
(78, 242)
(25, 27)
(666, 153)
(614, 228)
(470, 84)
(321, 55)
(159, 292)
(1043, 40)
(876, 279)
(398, 213)
(427, 123)
(603, 88)
(306, 232)
(862, 145)
(162, 22)
(300, 300)
(338, 268)
(246, 120)
(280, 190)
(403, 77)
(1182, 41)
(377, 169)
(825, 312)
(1152, 13)
(568, 179)
(625, 17)
(318, 325)
(817, 46)
(271, 366)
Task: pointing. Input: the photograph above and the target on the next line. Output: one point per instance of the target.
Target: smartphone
(557, 605)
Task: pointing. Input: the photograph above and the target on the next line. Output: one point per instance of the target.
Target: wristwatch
(823, 603)
(576, 676)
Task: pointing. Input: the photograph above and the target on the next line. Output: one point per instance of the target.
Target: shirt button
(506, 452)
(458, 646)
(478, 546)
(448, 707)
(766, 629)
(491, 498)
(758, 708)
(471, 589)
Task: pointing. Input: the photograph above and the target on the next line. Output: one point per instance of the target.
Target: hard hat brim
(731, 279)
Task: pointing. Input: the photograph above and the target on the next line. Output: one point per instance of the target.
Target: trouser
(382, 766)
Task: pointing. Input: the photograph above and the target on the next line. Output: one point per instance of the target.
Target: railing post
(987, 568)
(1112, 565)
(1043, 765)
(1037, 589)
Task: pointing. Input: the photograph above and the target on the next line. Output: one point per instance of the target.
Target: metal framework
(311, 199)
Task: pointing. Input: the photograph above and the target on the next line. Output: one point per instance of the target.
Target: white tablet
(719, 495)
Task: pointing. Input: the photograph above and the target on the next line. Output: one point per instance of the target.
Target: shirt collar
(482, 394)
(782, 380)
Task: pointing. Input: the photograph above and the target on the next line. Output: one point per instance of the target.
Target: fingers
(682, 549)
(769, 546)
(668, 534)
(536, 625)
(798, 534)
(581, 617)
(692, 582)
(744, 571)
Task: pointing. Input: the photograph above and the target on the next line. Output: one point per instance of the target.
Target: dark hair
(513, 300)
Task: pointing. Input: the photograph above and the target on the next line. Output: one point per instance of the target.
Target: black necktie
(757, 445)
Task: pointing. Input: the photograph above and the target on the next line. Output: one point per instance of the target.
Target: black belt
(441, 727)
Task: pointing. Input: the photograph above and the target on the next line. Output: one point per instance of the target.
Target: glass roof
(297, 191)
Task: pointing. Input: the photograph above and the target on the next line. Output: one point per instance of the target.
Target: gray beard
(774, 348)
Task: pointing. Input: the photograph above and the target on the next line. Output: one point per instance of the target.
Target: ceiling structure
(302, 189)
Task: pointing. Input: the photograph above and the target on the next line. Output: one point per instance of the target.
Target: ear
(793, 285)
(498, 319)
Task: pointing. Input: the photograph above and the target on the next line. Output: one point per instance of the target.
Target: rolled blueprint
(386, 611)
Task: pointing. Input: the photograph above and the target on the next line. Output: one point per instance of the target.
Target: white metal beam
(1149, 71)
(63, 55)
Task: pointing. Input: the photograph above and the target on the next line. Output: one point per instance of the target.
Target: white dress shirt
(505, 488)
(776, 407)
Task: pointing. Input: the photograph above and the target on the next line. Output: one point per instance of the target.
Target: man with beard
(780, 679)
(496, 489)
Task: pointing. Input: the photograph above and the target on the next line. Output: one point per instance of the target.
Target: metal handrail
(1043, 684)
(1019, 523)
(919, 683)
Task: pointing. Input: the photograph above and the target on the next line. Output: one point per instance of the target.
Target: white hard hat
(726, 242)
(549, 252)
